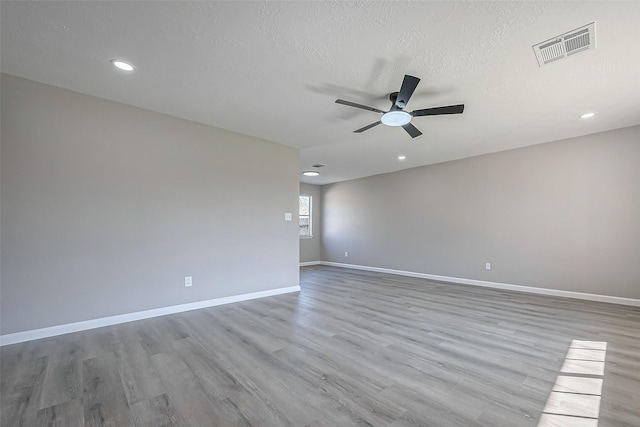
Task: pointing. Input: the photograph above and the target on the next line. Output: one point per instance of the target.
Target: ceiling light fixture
(396, 118)
(587, 115)
(402, 157)
(124, 66)
(310, 173)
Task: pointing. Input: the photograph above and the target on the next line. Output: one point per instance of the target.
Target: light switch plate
(288, 216)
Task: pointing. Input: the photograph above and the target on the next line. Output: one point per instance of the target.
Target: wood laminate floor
(353, 348)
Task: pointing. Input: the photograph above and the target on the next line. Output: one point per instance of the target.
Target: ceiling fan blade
(409, 84)
(451, 109)
(353, 104)
(367, 127)
(411, 130)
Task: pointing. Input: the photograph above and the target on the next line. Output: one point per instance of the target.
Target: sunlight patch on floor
(575, 397)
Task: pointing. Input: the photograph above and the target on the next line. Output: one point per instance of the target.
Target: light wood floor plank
(67, 414)
(103, 398)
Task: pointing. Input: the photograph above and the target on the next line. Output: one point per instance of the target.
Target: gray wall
(562, 215)
(106, 207)
(310, 247)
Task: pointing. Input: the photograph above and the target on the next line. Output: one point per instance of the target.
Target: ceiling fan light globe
(396, 118)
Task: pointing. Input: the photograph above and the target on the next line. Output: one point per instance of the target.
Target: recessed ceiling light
(587, 115)
(402, 157)
(125, 66)
(310, 173)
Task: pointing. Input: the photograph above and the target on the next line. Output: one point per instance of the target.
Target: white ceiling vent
(565, 45)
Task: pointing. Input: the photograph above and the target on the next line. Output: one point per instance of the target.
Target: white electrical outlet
(288, 216)
(487, 266)
(346, 254)
(188, 281)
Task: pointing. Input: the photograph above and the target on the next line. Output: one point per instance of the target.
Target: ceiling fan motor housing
(395, 105)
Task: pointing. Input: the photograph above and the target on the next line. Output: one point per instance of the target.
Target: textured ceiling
(274, 69)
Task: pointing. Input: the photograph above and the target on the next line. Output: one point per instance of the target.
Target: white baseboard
(130, 317)
(496, 285)
(305, 264)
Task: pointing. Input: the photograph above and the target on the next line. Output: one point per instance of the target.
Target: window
(305, 216)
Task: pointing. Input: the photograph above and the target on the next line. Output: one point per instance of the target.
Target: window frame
(300, 216)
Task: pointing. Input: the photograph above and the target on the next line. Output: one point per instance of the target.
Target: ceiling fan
(396, 116)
